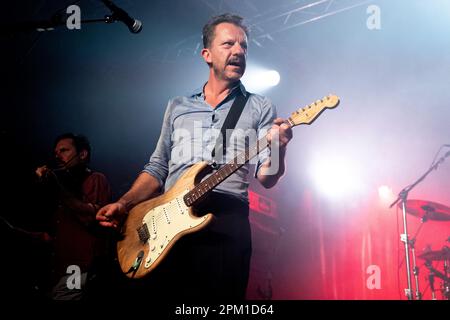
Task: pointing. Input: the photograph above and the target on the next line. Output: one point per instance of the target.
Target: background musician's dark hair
(80, 142)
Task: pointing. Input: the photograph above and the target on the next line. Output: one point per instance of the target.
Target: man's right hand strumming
(112, 215)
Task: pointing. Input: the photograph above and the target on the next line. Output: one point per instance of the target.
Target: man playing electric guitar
(212, 263)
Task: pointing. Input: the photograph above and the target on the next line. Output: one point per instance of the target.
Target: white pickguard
(164, 223)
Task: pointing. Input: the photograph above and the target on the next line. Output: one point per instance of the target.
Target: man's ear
(83, 155)
(206, 54)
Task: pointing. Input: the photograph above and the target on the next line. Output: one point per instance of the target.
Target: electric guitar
(154, 226)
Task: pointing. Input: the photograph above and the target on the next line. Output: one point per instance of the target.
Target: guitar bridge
(143, 233)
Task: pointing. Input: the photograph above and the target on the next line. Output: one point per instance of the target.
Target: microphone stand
(402, 196)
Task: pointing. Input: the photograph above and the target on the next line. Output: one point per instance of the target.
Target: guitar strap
(230, 122)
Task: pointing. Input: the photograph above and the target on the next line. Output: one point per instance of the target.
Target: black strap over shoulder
(229, 123)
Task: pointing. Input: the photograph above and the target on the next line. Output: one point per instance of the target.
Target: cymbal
(427, 210)
(443, 254)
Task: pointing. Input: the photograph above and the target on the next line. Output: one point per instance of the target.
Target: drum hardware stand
(447, 281)
(412, 243)
(402, 196)
(415, 268)
(443, 276)
(431, 281)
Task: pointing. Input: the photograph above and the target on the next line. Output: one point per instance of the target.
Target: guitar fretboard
(207, 185)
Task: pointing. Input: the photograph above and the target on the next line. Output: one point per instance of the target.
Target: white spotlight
(272, 78)
(337, 178)
(386, 195)
(257, 79)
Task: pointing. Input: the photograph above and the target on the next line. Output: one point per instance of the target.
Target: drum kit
(427, 210)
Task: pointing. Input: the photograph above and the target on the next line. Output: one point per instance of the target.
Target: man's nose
(238, 49)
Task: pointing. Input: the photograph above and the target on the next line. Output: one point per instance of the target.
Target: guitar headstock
(309, 113)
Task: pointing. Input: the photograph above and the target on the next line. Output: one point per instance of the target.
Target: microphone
(119, 14)
(66, 164)
(54, 165)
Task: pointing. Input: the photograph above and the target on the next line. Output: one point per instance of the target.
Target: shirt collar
(239, 86)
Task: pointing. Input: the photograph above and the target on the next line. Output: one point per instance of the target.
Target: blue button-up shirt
(190, 130)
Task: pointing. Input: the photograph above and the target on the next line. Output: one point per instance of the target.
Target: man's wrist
(125, 205)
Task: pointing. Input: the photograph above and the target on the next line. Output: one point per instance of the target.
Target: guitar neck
(207, 185)
(305, 115)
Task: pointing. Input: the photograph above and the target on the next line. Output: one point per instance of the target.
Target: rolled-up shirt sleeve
(268, 114)
(158, 165)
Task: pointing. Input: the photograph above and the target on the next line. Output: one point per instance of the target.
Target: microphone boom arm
(58, 20)
(407, 189)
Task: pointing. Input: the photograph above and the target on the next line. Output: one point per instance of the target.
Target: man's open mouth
(235, 63)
